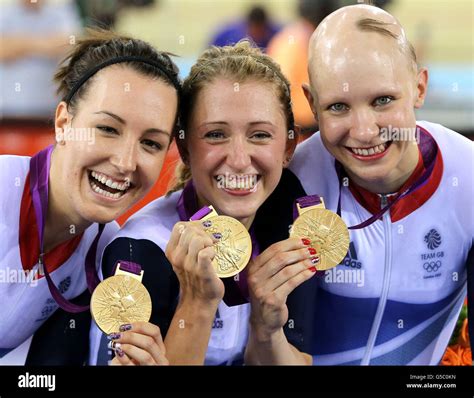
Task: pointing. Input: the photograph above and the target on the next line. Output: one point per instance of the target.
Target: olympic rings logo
(432, 266)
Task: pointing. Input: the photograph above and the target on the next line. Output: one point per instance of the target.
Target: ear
(421, 87)
(310, 98)
(61, 121)
(291, 144)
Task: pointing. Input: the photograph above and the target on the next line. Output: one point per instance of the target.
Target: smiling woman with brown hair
(58, 214)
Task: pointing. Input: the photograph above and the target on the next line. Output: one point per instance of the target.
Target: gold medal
(327, 232)
(233, 247)
(120, 299)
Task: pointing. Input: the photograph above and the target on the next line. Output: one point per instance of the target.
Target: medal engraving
(328, 235)
(233, 248)
(118, 300)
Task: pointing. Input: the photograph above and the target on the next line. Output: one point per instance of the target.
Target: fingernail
(306, 241)
(114, 336)
(125, 327)
(118, 350)
(217, 235)
(312, 251)
(312, 269)
(206, 224)
(314, 260)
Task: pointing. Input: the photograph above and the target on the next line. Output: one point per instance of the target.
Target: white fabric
(27, 302)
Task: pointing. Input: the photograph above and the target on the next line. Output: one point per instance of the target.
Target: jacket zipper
(385, 284)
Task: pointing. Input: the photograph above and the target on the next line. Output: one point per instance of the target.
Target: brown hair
(241, 62)
(100, 46)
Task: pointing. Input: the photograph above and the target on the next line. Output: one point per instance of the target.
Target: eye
(107, 129)
(385, 100)
(152, 144)
(339, 107)
(214, 135)
(261, 135)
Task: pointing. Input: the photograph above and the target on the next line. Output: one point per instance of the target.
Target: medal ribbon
(305, 201)
(39, 178)
(236, 291)
(429, 151)
(130, 266)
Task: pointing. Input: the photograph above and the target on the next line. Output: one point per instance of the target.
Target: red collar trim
(29, 239)
(407, 205)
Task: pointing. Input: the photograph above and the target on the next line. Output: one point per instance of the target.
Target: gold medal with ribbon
(234, 245)
(327, 231)
(121, 299)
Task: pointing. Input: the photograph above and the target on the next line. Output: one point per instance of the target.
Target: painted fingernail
(114, 336)
(125, 327)
(206, 223)
(312, 251)
(312, 269)
(306, 241)
(118, 350)
(314, 260)
(217, 235)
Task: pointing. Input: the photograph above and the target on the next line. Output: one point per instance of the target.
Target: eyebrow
(120, 120)
(226, 123)
(337, 99)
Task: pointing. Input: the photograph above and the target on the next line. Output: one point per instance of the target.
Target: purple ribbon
(39, 179)
(130, 266)
(429, 150)
(236, 292)
(305, 201)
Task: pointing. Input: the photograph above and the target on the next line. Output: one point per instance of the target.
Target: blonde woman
(237, 125)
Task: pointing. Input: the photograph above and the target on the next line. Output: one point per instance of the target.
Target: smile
(370, 153)
(237, 184)
(107, 186)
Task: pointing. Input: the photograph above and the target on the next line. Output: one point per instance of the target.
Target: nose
(239, 156)
(364, 126)
(125, 155)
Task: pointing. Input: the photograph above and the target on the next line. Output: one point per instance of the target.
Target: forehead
(369, 62)
(235, 100)
(120, 86)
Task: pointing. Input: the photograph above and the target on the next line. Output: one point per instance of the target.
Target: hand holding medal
(121, 308)
(326, 231)
(233, 245)
(121, 299)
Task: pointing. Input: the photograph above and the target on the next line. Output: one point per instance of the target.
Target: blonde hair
(373, 25)
(240, 62)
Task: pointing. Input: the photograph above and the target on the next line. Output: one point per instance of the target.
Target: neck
(396, 179)
(62, 223)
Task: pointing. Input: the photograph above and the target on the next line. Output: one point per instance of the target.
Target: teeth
(238, 182)
(369, 151)
(110, 183)
(105, 193)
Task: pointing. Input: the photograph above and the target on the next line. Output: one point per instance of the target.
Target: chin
(239, 212)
